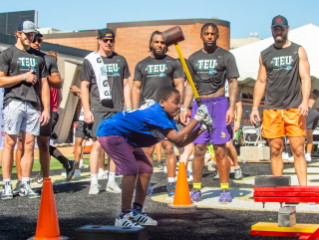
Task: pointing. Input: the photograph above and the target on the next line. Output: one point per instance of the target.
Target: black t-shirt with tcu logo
(156, 73)
(13, 62)
(117, 70)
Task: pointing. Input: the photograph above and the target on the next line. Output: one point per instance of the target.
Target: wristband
(128, 108)
(79, 96)
(183, 109)
(255, 107)
(77, 90)
(237, 123)
(25, 77)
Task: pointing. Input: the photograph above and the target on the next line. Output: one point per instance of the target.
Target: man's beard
(282, 40)
(161, 54)
(22, 41)
(211, 45)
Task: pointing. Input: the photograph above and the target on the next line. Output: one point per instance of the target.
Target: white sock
(171, 179)
(111, 177)
(25, 179)
(7, 180)
(238, 167)
(81, 162)
(101, 170)
(94, 178)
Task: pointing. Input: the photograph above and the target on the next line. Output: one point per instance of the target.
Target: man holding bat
(209, 68)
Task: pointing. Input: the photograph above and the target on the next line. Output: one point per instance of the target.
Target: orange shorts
(280, 123)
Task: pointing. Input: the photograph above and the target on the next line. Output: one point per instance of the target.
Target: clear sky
(245, 16)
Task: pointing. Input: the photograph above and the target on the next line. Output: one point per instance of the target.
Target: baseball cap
(37, 33)
(27, 27)
(316, 91)
(279, 21)
(106, 33)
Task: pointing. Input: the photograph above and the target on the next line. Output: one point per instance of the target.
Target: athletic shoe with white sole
(27, 191)
(291, 159)
(114, 187)
(94, 189)
(144, 220)
(17, 188)
(7, 191)
(126, 221)
(83, 166)
(308, 157)
(70, 170)
(77, 173)
(102, 174)
(238, 173)
(39, 178)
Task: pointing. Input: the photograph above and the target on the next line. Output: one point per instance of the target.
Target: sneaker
(6, 191)
(189, 177)
(70, 170)
(39, 178)
(94, 189)
(291, 159)
(238, 173)
(165, 169)
(17, 188)
(83, 166)
(114, 187)
(308, 157)
(216, 176)
(102, 174)
(126, 221)
(144, 220)
(224, 196)
(170, 188)
(77, 173)
(26, 190)
(284, 155)
(196, 195)
(150, 191)
(210, 166)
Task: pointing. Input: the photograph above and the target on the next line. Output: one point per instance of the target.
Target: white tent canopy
(247, 57)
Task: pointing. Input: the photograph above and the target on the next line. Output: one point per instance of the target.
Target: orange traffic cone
(48, 224)
(182, 198)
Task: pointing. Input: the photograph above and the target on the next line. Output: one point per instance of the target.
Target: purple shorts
(217, 108)
(129, 161)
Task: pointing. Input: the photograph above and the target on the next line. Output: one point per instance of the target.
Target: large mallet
(174, 36)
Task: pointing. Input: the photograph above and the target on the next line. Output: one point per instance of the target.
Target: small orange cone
(182, 198)
(48, 224)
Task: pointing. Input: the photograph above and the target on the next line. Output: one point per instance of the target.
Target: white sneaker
(284, 156)
(102, 174)
(77, 173)
(190, 178)
(165, 169)
(94, 189)
(114, 187)
(291, 159)
(308, 157)
(144, 220)
(126, 221)
(83, 166)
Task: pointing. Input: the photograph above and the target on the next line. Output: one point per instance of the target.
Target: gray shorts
(82, 130)
(312, 119)
(98, 118)
(21, 115)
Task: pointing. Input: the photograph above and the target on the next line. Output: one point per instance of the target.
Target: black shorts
(82, 130)
(55, 119)
(46, 130)
(98, 118)
(312, 119)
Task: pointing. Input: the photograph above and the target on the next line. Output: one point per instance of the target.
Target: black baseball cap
(316, 91)
(106, 33)
(37, 33)
(279, 21)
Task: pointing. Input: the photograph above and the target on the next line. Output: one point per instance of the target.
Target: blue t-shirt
(140, 128)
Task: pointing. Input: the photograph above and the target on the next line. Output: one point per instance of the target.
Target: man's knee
(43, 143)
(168, 149)
(298, 152)
(275, 151)
(97, 146)
(220, 152)
(229, 145)
(200, 150)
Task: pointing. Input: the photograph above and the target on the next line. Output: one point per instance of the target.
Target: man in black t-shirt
(114, 69)
(152, 73)
(210, 67)
(43, 140)
(23, 75)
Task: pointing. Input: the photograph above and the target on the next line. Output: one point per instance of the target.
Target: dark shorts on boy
(217, 108)
(129, 161)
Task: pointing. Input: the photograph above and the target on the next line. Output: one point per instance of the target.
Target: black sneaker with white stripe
(26, 190)
(126, 221)
(144, 220)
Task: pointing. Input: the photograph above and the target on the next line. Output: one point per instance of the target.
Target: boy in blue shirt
(122, 137)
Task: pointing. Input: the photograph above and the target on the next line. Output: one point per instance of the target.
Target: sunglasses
(37, 40)
(106, 40)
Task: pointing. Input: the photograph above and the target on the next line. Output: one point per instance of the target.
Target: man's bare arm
(304, 72)
(127, 93)
(233, 92)
(239, 111)
(55, 81)
(85, 95)
(7, 82)
(136, 93)
(179, 85)
(188, 96)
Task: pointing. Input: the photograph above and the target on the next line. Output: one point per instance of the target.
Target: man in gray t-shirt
(95, 109)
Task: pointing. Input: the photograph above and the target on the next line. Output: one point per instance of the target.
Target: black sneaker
(70, 170)
(26, 190)
(17, 188)
(7, 191)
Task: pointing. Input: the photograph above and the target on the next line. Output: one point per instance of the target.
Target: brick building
(132, 38)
